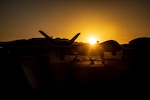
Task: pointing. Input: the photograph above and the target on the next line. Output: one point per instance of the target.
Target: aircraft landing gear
(92, 60)
(103, 62)
(102, 57)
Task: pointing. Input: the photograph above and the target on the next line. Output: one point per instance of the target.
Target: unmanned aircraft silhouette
(63, 47)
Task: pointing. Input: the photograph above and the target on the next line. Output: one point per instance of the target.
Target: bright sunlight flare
(92, 40)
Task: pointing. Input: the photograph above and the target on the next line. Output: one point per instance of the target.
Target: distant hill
(27, 42)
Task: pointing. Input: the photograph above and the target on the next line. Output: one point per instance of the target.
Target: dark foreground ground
(40, 76)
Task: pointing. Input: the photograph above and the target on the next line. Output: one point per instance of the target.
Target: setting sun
(92, 40)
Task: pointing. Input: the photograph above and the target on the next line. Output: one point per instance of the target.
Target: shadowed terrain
(28, 72)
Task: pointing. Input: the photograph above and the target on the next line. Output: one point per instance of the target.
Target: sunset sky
(120, 20)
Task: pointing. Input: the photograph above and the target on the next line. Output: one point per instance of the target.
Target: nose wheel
(93, 59)
(103, 62)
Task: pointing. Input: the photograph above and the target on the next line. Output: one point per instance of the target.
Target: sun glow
(92, 40)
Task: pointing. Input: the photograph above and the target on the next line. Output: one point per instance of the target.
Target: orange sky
(120, 20)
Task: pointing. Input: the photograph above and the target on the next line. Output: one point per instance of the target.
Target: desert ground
(46, 75)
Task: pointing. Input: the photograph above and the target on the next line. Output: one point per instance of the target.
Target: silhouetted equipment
(63, 46)
(99, 49)
(59, 41)
(140, 48)
(141, 43)
(111, 46)
(137, 52)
